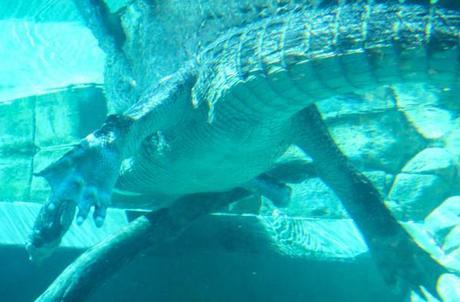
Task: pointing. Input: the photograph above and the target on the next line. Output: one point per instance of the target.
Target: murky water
(300, 231)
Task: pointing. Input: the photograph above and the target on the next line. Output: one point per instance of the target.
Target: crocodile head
(52, 223)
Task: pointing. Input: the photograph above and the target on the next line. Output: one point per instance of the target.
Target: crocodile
(222, 118)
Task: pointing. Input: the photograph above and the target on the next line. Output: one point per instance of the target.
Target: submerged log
(150, 231)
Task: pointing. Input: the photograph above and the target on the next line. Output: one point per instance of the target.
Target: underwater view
(230, 150)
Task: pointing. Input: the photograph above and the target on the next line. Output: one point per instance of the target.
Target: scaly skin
(253, 80)
(224, 118)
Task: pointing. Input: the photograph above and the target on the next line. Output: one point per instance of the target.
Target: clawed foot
(275, 190)
(405, 265)
(83, 178)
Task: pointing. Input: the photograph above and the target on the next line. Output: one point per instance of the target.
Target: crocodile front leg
(401, 261)
(85, 176)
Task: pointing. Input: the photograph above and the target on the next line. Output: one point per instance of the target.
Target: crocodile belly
(205, 157)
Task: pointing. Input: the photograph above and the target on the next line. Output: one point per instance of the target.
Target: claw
(85, 204)
(50, 226)
(100, 209)
(99, 216)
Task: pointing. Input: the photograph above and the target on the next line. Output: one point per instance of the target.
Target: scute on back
(162, 35)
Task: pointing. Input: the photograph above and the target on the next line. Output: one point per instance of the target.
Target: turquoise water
(403, 137)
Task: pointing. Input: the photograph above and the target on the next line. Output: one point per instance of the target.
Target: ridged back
(173, 31)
